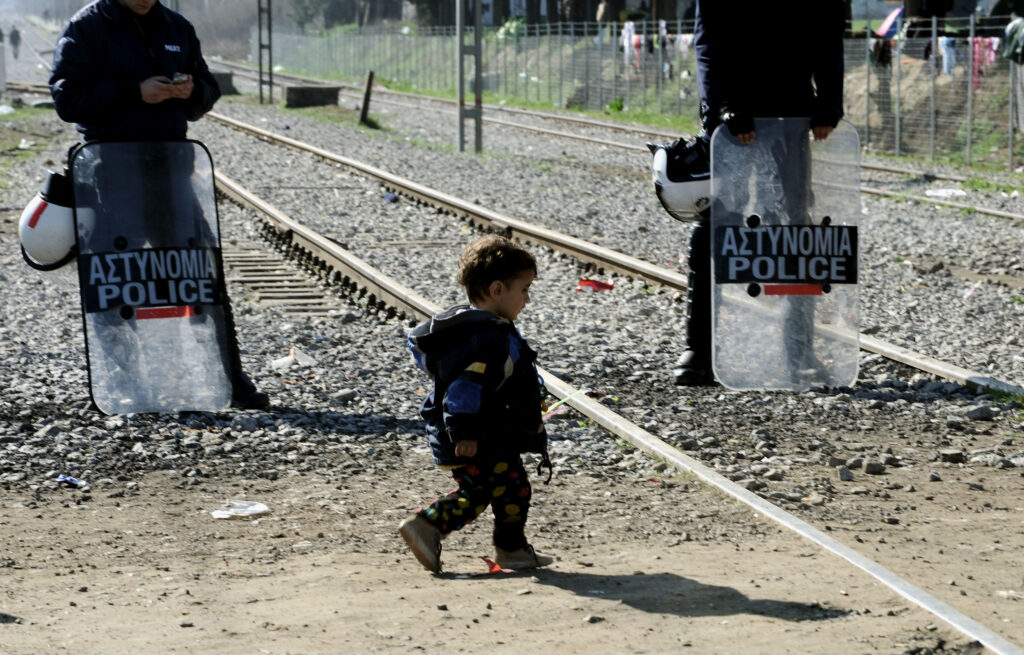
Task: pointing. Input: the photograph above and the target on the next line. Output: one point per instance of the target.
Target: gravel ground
(933, 480)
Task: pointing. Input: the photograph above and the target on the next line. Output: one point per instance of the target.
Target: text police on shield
(149, 278)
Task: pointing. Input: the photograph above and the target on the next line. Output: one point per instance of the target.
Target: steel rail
(603, 257)
(404, 299)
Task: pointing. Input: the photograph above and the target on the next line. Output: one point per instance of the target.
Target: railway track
(601, 258)
(316, 254)
(395, 98)
(334, 266)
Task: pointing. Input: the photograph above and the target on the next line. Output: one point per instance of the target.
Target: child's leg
(464, 504)
(511, 503)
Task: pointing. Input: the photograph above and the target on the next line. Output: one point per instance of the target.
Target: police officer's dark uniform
(103, 56)
(754, 59)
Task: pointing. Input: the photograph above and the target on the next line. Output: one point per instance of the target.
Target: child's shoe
(524, 558)
(424, 541)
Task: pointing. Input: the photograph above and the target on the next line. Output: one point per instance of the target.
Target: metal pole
(643, 67)
(970, 89)
(935, 53)
(478, 132)
(615, 61)
(867, 95)
(270, 51)
(461, 52)
(679, 73)
(1013, 94)
(265, 46)
(586, 65)
(661, 65)
(561, 69)
(259, 43)
(899, 80)
(572, 59)
(460, 67)
(549, 58)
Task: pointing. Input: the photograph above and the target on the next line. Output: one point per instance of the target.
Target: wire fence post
(1013, 95)
(867, 90)
(931, 126)
(661, 66)
(586, 64)
(970, 89)
(561, 66)
(899, 79)
(615, 62)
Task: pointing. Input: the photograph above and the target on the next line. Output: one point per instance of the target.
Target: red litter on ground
(492, 567)
(586, 284)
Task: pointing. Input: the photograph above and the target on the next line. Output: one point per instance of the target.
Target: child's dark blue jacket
(486, 386)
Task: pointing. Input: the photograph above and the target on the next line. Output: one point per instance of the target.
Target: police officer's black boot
(244, 394)
(694, 366)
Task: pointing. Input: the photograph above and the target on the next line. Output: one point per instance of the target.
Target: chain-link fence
(945, 93)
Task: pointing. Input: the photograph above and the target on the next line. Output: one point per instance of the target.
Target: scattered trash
(25, 144)
(967, 294)
(587, 284)
(294, 357)
(6, 109)
(389, 197)
(240, 509)
(492, 567)
(70, 481)
(558, 407)
(345, 395)
(946, 193)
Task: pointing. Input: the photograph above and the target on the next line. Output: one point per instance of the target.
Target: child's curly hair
(488, 259)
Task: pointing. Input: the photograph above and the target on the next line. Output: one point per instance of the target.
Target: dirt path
(645, 566)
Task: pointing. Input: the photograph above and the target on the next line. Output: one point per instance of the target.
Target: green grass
(986, 185)
(1007, 397)
(13, 128)
(671, 123)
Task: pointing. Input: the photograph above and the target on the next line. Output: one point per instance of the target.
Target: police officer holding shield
(754, 59)
(133, 70)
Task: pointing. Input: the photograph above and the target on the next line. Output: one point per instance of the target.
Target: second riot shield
(784, 249)
(151, 277)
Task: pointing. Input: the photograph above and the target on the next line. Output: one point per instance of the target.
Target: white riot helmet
(47, 226)
(681, 171)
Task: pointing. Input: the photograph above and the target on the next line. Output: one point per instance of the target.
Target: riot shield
(784, 250)
(151, 277)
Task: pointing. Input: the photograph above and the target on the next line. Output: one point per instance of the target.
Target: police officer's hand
(740, 124)
(159, 88)
(746, 137)
(821, 132)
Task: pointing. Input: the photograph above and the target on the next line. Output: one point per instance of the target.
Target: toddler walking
(485, 408)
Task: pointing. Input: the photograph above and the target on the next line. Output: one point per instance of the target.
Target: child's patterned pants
(503, 485)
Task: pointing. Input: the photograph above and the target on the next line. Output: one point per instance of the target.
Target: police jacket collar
(114, 10)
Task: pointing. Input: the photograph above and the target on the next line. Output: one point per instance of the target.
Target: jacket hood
(447, 329)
